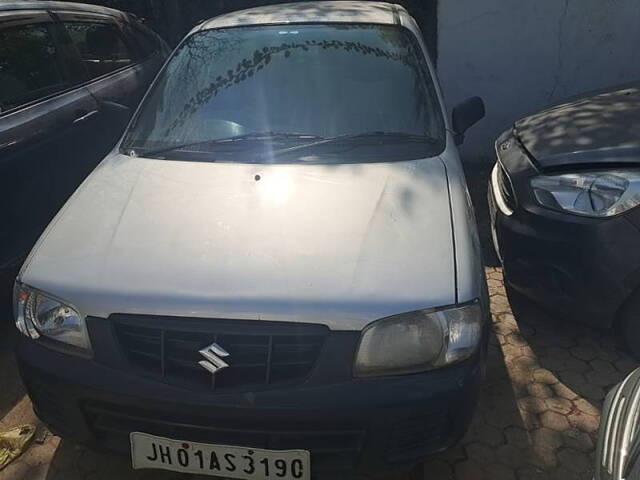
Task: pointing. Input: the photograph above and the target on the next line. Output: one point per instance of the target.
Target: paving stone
(585, 407)
(512, 351)
(584, 352)
(574, 460)
(563, 473)
(604, 366)
(584, 422)
(626, 365)
(532, 404)
(547, 438)
(544, 457)
(553, 364)
(576, 365)
(559, 405)
(502, 419)
(539, 390)
(593, 392)
(469, 470)
(480, 452)
(532, 473)
(516, 338)
(578, 440)
(499, 303)
(561, 390)
(559, 352)
(497, 471)
(490, 435)
(511, 456)
(572, 380)
(554, 421)
(517, 437)
(542, 375)
(600, 378)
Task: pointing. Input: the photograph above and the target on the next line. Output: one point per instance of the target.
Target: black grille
(506, 188)
(261, 354)
(330, 444)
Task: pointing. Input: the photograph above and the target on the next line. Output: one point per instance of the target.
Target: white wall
(522, 55)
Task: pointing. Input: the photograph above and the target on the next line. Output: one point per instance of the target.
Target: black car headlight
(41, 315)
(418, 341)
(591, 194)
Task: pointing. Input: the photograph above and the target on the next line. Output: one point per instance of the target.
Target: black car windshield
(292, 93)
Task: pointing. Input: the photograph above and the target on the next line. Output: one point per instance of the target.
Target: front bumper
(358, 426)
(581, 269)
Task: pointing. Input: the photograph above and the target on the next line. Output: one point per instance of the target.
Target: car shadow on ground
(11, 389)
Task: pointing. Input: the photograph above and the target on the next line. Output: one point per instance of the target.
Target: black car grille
(506, 188)
(261, 354)
(330, 444)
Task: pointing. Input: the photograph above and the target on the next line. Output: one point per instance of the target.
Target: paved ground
(537, 417)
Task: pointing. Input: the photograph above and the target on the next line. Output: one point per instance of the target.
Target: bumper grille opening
(334, 445)
(260, 354)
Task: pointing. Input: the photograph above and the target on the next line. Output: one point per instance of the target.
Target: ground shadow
(11, 388)
(587, 360)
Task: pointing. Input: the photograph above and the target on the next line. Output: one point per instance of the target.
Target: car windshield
(292, 93)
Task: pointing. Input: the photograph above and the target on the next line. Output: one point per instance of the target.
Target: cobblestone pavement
(537, 417)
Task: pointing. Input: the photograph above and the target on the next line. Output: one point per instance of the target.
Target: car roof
(342, 11)
(50, 5)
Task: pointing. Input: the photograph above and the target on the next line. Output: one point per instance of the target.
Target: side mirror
(466, 114)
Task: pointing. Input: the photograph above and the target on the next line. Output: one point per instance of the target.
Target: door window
(100, 46)
(146, 44)
(29, 66)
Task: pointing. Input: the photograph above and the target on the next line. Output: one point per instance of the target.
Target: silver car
(276, 272)
(618, 449)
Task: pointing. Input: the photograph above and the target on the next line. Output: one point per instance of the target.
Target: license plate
(149, 451)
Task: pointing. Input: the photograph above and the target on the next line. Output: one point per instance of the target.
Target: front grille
(261, 354)
(333, 444)
(506, 188)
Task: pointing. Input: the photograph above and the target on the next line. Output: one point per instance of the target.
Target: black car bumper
(358, 426)
(580, 269)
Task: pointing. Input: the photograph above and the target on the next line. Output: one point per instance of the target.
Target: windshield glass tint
(314, 81)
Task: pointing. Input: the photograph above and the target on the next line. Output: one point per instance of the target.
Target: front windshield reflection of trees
(319, 80)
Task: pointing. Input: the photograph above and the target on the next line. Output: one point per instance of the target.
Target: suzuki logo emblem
(214, 354)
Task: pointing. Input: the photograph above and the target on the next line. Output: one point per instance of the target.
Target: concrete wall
(522, 55)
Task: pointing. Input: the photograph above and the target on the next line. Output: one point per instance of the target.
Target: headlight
(593, 194)
(419, 341)
(38, 314)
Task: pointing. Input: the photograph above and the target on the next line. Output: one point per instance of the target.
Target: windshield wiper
(236, 138)
(354, 136)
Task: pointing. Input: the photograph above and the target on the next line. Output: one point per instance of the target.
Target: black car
(69, 77)
(564, 197)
